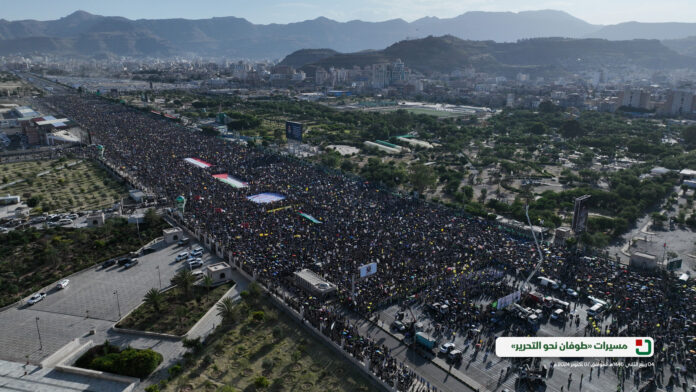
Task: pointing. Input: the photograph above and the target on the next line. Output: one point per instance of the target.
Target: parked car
(123, 261)
(63, 284)
(65, 222)
(38, 297)
(398, 326)
(197, 252)
(131, 263)
(455, 355)
(108, 263)
(447, 347)
(197, 263)
(571, 292)
(197, 274)
(181, 256)
(184, 241)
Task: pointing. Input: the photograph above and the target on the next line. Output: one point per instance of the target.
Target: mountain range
(85, 34)
(537, 56)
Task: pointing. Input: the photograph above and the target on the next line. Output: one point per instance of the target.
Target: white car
(571, 292)
(182, 256)
(63, 283)
(197, 274)
(196, 263)
(38, 297)
(197, 252)
(447, 347)
(65, 222)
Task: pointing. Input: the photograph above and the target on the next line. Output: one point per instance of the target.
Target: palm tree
(226, 310)
(208, 282)
(184, 280)
(154, 298)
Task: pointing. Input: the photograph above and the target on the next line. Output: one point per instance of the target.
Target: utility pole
(159, 276)
(118, 304)
(39, 333)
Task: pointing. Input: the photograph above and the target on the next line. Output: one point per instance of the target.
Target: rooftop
(218, 267)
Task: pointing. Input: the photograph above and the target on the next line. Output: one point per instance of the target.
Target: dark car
(184, 241)
(131, 263)
(124, 261)
(147, 251)
(108, 263)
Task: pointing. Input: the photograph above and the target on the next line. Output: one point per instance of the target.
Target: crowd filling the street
(425, 253)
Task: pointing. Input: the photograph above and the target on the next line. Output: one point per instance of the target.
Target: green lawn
(171, 319)
(273, 350)
(84, 186)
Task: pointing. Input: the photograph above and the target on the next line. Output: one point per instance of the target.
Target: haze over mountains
(537, 56)
(82, 33)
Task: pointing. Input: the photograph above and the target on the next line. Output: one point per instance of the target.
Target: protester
(424, 252)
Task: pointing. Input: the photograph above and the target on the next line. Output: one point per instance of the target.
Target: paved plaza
(89, 303)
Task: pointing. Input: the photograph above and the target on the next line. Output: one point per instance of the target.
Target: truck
(425, 340)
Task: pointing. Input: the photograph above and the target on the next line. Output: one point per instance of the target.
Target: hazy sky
(284, 11)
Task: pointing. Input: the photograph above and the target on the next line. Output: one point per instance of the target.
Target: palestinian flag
(229, 180)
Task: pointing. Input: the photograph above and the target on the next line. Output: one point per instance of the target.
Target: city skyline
(276, 11)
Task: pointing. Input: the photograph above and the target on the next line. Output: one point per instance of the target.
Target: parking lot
(95, 299)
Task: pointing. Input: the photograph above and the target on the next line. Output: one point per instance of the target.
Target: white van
(596, 310)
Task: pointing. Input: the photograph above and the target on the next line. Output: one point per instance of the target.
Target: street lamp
(118, 304)
(159, 276)
(39, 333)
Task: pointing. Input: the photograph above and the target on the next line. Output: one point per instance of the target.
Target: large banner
(368, 269)
(293, 130)
(508, 300)
(229, 180)
(198, 162)
(265, 198)
(580, 214)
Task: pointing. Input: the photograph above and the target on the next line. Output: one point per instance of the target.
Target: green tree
(208, 283)
(154, 298)
(184, 281)
(571, 129)
(422, 177)
(689, 135)
(226, 310)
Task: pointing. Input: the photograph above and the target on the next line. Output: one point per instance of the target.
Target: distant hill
(448, 53)
(637, 30)
(231, 37)
(307, 56)
(685, 46)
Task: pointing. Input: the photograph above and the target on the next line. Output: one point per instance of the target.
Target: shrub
(129, 362)
(175, 371)
(259, 315)
(261, 382)
(152, 388)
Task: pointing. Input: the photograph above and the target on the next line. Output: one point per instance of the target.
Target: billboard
(293, 130)
(580, 213)
(368, 269)
(508, 300)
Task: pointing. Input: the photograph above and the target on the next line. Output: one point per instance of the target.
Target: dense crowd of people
(423, 251)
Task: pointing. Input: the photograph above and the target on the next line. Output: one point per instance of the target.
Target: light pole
(159, 276)
(39, 333)
(118, 304)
